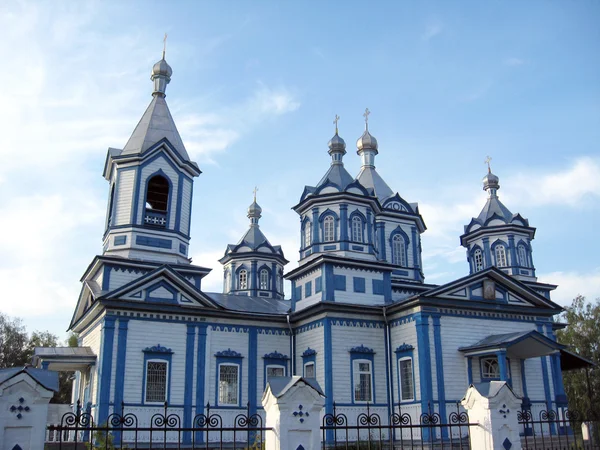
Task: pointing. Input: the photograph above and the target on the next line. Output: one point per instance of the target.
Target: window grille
(157, 195)
(309, 370)
(357, 229)
(264, 279)
(307, 234)
(500, 256)
(328, 229)
(490, 368)
(156, 381)
(523, 256)
(478, 260)
(228, 384)
(275, 371)
(406, 380)
(243, 279)
(362, 381)
(399, 250)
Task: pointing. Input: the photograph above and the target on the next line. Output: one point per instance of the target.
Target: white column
(293, 409)
(494, 407)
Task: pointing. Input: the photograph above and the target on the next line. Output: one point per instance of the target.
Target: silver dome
(366, 142)
(490, 181)
(337, 143)
(254, 210)
(162, 68)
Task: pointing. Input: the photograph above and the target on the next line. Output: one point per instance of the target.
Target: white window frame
(237, 384)
(522, 251)
(307, 234)
(357, 229)
(274, 366)
(500, 253)
(485, 364)
(244, 284)
(314, 368)
(328, 229)
(399, 250)
(356, 379)
(264, 283)
(147, 379)
(478, 264)
(411, 377)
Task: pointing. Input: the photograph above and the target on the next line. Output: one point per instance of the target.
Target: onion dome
(254, 212)
(366, 142)
(490, 182)
(337, 144)
(161, 75)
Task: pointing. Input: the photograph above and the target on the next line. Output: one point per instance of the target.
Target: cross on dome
(366, 116)
(335, 121)
(487, 161)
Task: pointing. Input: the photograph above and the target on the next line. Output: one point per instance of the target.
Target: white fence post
(293, 408)
(494, 407)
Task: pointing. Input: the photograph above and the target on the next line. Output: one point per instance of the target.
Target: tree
(582, 335)
(13, 342)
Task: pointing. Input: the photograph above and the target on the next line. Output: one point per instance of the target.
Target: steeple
(497, 237)
(337, 173)
(367, 148)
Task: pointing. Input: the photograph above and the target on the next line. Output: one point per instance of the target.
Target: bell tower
(150, 186)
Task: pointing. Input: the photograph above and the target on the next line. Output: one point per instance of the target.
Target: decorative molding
(309, 352)
(362, 349)
(405, 348)
(18, 410)
(276, 355)
(299, 413)
(157, 349)
(228, 354)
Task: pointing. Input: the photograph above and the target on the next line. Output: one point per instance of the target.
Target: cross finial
(255, 191)
(487, 161)
(337, 118)
(366, 116)
(164, 46)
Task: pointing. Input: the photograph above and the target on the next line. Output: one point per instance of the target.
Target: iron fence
(400, 432)
(164, 430)
(560, 429)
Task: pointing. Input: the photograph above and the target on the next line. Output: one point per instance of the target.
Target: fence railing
(558, 429)
(399, 431)
(165, 429)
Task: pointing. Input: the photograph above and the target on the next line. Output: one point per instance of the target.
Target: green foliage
(582, 335)
(102, 440)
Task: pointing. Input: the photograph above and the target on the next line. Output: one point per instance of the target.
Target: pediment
(491, 286)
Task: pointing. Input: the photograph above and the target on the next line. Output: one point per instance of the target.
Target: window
(264, 279)
(157, 196)
(398, 250)
(405, 369)
(307, 234)
(523, 262)
(362, 375)
(110, 205)
(243, 279)
(228, 384)
(500, 252)
(309, 370)
(156, 381)
(357, 229)
(275, 371)
(328, 229)
(490, 368)
(477, 260)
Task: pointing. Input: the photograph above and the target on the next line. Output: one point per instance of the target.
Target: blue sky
(254, 91)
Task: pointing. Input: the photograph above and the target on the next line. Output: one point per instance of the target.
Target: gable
(491, 286)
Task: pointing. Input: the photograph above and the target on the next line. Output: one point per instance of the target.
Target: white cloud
(513, 62)
(572, 284)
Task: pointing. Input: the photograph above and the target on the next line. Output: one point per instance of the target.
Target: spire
(161, 73)
(337, 146)
(367, 144)
(254, 211)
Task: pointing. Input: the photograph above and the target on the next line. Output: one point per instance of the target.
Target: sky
(254, 91)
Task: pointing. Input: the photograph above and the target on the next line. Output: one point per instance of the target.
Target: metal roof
(46, 378)
(369, 178)
(247, 303)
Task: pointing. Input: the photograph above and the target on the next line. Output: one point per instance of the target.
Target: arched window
(307, 234)
(328, 229)
(477, 260)
(243, 279)
(357, 229)
(398, 250)
(264, 279)
(110, 205)
(500, 252)
(523, 262)
(157, 196)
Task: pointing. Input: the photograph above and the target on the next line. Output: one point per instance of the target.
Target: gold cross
(336, 123)
(255, 191)
(487, 161)
(366, 116)
(164, 46)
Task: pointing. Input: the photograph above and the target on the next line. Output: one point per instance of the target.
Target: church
(361, 319)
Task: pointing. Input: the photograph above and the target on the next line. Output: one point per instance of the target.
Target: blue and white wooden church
(361, 319)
